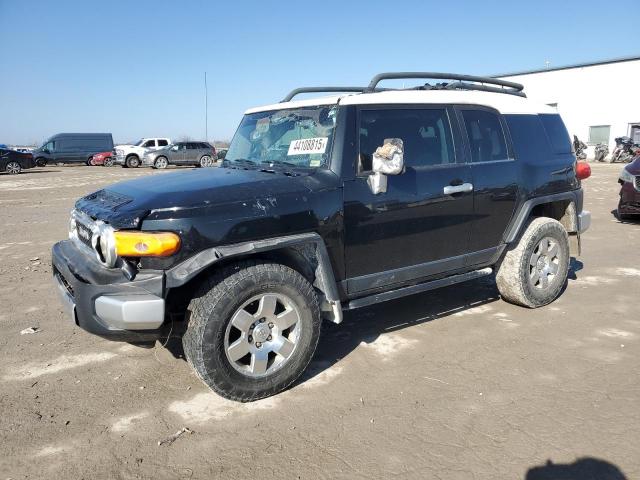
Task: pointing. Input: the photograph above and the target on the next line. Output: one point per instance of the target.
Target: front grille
(637, 182)
(84, 233)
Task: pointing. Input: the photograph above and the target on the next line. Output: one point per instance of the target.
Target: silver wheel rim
(161, 163)
(205, 161)
(13, 167)
(262, 335)
(133, 162)
(544, 263)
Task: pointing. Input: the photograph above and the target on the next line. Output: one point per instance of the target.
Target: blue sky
(136, 68)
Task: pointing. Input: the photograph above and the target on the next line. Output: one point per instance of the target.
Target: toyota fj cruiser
(324, 205)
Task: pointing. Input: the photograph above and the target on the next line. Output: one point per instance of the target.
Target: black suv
(322, 206)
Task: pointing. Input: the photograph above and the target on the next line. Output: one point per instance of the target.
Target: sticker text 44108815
(306, 146)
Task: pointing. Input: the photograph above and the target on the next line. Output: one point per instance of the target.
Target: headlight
(72, 225)
(626, 176)
(145, 244)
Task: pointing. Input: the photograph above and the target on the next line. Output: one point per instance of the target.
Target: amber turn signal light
(146, 244)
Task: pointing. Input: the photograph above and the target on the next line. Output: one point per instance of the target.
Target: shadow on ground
(586, 468)
(368, 323)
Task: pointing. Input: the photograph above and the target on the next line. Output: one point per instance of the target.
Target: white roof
(504, 103)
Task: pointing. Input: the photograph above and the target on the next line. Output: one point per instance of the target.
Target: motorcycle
(625, 150)
(601, 151)
(580, 148)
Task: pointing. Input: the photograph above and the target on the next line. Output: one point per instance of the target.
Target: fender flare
(325, 279)
(522, 215)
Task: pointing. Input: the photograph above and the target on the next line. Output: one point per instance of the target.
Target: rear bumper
(102, 301)
(584, 221)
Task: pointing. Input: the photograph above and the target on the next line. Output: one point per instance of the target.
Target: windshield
(299, 137)
(138, 143)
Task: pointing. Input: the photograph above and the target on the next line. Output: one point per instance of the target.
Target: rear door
(192, 154)
(495, 178)
(419, 226)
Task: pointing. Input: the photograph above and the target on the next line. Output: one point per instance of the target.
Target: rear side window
(486, 137)
(557, 133)
(192, 146)
(426, 135)
(162, 143)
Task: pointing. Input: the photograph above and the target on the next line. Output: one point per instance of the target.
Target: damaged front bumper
(102, 301)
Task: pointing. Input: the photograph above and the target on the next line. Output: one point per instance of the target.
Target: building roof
(502, 102)
(567, 67)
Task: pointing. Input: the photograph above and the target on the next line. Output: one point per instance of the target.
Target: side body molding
(324, 277)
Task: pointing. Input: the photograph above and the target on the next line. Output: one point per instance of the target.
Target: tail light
(213, 150)
(583, 170)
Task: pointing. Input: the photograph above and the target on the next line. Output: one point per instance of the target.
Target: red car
(630, 191)
(102, 158)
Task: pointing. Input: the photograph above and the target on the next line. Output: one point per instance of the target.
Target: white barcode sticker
(306, 146)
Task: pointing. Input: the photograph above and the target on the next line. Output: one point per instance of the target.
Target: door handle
(464, 188)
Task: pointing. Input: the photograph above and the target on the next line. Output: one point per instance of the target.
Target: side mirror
(387, 160)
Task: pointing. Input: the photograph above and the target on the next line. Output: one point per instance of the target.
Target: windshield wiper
(242, 161)
(280, 162)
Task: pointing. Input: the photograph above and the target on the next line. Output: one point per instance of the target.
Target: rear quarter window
(556, 132)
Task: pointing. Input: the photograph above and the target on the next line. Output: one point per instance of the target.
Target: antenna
(206, 110)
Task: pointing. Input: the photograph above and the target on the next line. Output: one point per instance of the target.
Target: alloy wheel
(13, 168)
(544, 263)
(262, 334)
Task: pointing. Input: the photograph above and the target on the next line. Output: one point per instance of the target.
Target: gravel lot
(453, 384)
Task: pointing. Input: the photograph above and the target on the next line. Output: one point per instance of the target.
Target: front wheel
(253, 329)
(13, 168)
(108, 162)
(161, 163)
(534, 271)
(41, 162)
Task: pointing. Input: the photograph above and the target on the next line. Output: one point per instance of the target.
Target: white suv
(131, 155)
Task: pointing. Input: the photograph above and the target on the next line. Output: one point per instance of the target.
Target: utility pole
(206, 110)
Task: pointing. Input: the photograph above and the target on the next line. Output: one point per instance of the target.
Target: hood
(125, 204)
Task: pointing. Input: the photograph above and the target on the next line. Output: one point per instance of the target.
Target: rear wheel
(108, 162)
(132, 161)
(161, 163)
(13, 168)
(253, 328)
(41, 162)
(534, 271)
(205, 161)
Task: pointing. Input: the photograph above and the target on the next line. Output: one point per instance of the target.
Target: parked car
(102, 158)
(222, 153)
(200, 154)
(14, 162)
(629, 204)
(323, 206)
(131, 155)
(72, 148)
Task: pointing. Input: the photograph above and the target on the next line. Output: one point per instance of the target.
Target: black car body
(629, 204)
(73, 148)
(479, 169)
(14, 162)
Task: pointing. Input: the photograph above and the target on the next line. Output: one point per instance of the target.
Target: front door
(420, 226)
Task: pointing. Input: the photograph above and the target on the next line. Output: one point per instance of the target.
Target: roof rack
(462, 83)
(298, 91)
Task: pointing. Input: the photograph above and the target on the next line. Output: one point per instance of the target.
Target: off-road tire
(132, 161)
(211, 309)
(512, 275)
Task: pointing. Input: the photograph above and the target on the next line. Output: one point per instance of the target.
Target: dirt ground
(451, 384)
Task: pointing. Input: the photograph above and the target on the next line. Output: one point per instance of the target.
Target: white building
(598, 101)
